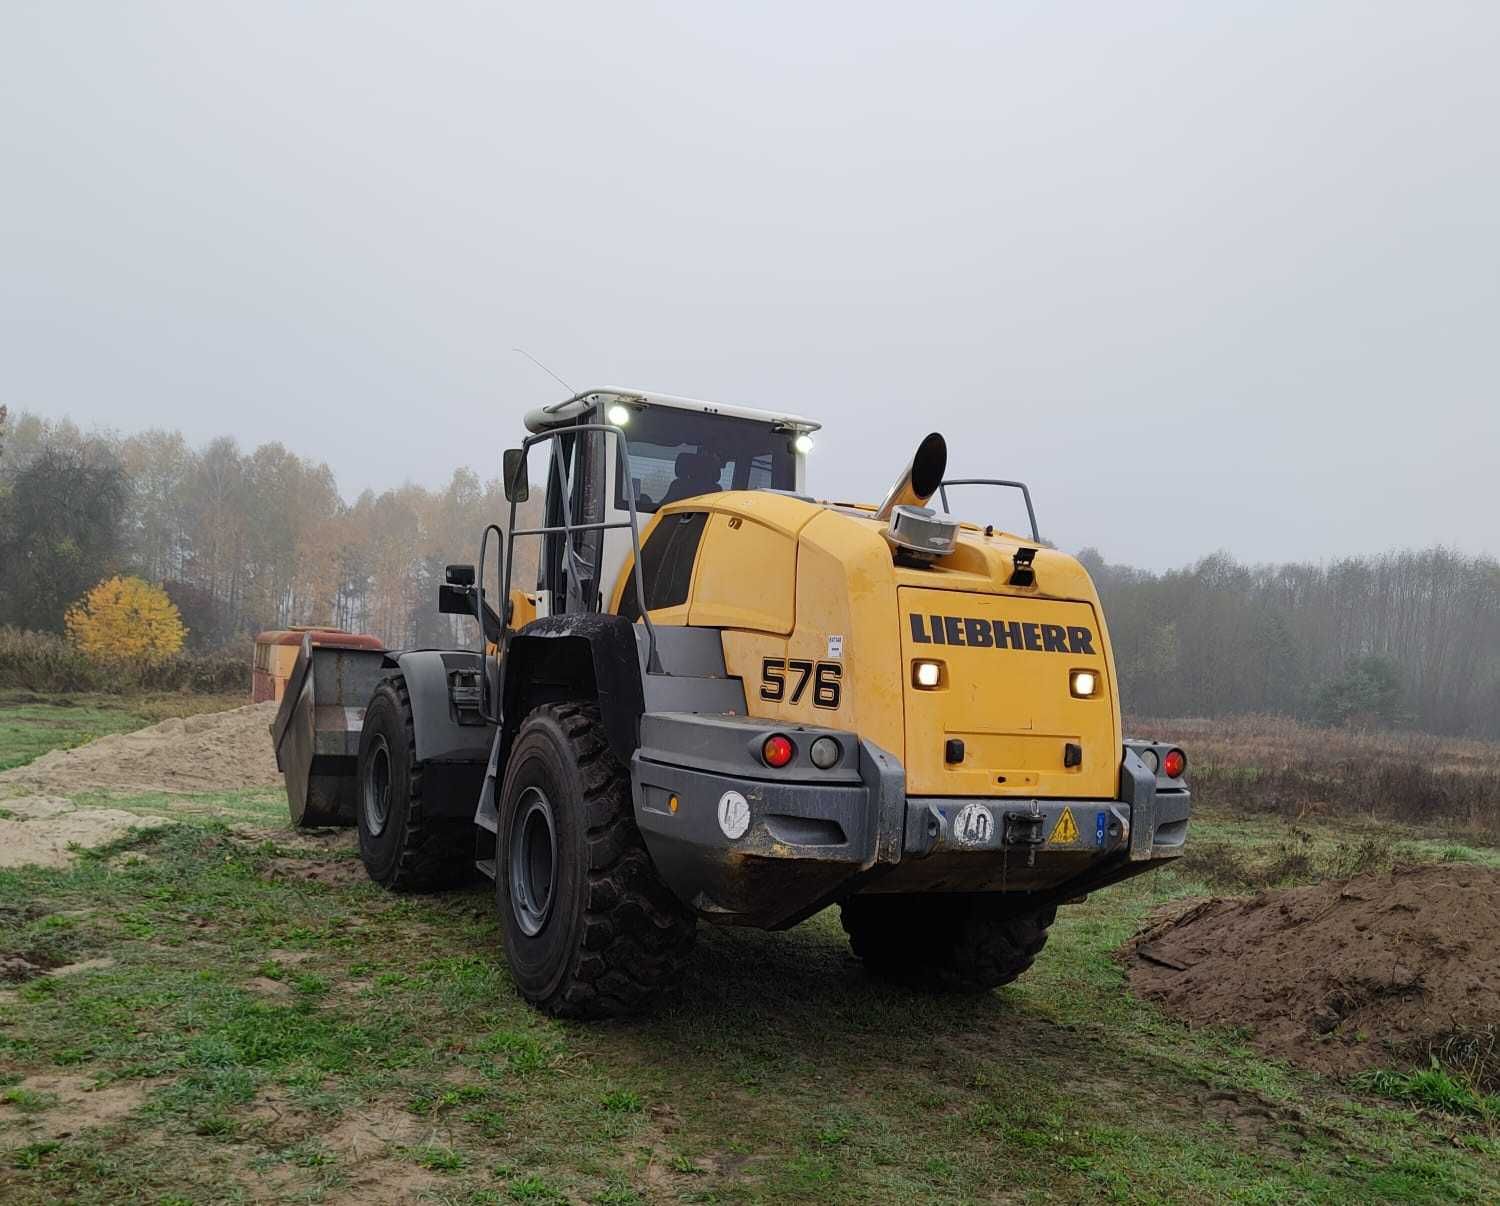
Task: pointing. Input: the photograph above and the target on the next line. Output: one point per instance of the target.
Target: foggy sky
(1207, 275)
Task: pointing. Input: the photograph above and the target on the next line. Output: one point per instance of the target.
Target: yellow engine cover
(822, 628)
(1004, 692)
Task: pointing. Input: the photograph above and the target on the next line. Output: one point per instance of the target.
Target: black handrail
(568, 527)
(992, 481)
(480, 608)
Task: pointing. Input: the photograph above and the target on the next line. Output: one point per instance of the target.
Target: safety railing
(992, 481)
(569, 529)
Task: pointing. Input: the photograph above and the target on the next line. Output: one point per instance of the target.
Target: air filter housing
(920, 534)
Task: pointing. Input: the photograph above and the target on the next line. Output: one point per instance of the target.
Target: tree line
(1404, 638)
(244, 541)
(241, 541)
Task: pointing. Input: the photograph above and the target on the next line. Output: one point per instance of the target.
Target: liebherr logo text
(1000, 634)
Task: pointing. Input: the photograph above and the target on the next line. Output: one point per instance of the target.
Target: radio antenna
(545, 369)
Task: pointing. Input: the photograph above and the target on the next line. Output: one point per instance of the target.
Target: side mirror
(460, 575)
(517, 488)
(455, 600)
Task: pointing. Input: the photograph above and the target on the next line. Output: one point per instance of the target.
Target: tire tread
(636, 936)
(435, 852)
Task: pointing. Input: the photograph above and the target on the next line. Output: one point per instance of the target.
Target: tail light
(1174, 764)
(777, 751)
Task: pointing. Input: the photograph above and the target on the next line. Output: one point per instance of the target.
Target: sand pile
(47, 831)
(1344, 975)
(217, 751)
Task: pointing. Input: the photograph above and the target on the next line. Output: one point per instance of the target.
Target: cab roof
(558, 413)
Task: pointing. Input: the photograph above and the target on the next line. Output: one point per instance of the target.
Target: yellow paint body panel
(746, 576)
(522, 608)
(1011, 708)
(845, 589)
(791, 581)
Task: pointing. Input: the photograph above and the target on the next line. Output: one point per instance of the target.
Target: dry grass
(1298, 857)
(1272, 764)
(44, 661)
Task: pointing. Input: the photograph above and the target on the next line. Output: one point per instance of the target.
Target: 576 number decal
(779, 674)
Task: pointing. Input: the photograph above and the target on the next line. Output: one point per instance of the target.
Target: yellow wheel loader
(724, 700)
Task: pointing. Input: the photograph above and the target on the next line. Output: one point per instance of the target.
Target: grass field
(234, 1013)
(1272, 765)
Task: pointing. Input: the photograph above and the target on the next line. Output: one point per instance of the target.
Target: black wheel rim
(533, 861)
(377, 787)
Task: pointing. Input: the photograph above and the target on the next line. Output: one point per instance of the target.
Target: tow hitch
(1026, 830)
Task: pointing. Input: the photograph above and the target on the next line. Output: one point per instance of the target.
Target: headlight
(803, 443)
(618, 415)
(1083, 684)
(927, 675)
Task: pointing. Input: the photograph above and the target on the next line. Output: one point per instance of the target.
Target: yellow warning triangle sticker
(1066, 829)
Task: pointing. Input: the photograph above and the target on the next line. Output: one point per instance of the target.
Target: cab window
(677, 454)
(666, 564)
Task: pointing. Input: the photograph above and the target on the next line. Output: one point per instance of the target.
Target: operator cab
(676, 448)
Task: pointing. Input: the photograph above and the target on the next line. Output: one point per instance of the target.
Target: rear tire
(945, 942)
(590, 930)
(403, 848)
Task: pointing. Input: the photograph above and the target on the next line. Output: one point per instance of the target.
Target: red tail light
(777, 751)
(1174, 764)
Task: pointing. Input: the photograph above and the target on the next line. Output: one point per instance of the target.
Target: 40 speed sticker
(734, 815)
(973, 825)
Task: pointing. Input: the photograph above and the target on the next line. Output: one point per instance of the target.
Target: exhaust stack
(920, 480)
(917, 536)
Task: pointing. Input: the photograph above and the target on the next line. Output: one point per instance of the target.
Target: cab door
(568, 567)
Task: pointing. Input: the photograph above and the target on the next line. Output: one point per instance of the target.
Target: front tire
(590, 930)
(402, 846)
(945, 942)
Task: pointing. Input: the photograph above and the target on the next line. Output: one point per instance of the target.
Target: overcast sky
(1208, 275)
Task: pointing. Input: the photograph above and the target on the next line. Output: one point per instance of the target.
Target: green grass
(27, 1102)
(28, 731)
(258, 805)
(1434, 1087)
(286, 1039)
(1239, 854)
(266, 1036)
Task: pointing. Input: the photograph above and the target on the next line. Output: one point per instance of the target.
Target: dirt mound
(215, 751)
(1344, 975)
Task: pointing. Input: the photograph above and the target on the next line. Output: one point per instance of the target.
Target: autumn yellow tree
(126, 619)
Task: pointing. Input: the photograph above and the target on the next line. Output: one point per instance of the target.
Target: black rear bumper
(813, 836)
